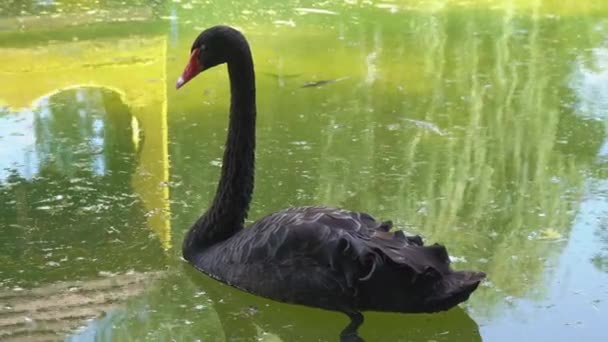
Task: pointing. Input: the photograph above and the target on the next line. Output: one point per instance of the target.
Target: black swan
(327, 258)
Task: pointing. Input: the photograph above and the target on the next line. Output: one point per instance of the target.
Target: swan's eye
(203, 47)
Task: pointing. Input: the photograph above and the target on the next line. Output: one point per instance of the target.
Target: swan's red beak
(192, 69)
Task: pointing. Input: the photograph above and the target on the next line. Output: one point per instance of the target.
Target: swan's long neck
(231, 202)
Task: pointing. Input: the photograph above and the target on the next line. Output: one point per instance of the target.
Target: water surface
(478, 124)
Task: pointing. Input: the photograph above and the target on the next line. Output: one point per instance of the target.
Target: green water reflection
(478, 124)
(67, 208)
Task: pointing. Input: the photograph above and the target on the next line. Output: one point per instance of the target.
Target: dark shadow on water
(244, 316)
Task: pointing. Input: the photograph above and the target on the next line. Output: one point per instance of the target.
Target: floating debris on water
(275, 75)
(323, 82)
(392, 8)
(289, 23)
(457, 259)
(303, 10)
(426, 125)
(548, 234)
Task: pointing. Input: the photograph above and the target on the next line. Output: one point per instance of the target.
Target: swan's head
(214, 46)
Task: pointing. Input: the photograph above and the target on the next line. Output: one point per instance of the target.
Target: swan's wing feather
(323, 216)
(332, 253)
(352, 243)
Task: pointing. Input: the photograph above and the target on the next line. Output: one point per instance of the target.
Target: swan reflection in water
(243, 316)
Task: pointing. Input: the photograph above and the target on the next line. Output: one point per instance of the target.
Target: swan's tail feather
(414, 240)
(422, 278)
(453, 288)
(385, 226)
(438, 256)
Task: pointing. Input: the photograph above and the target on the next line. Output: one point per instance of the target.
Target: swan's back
(337, 259)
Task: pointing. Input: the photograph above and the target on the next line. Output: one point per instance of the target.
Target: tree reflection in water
(69, 203)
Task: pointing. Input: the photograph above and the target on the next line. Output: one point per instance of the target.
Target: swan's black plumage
(323, 257)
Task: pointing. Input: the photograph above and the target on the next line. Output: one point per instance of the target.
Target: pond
(481, 125)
